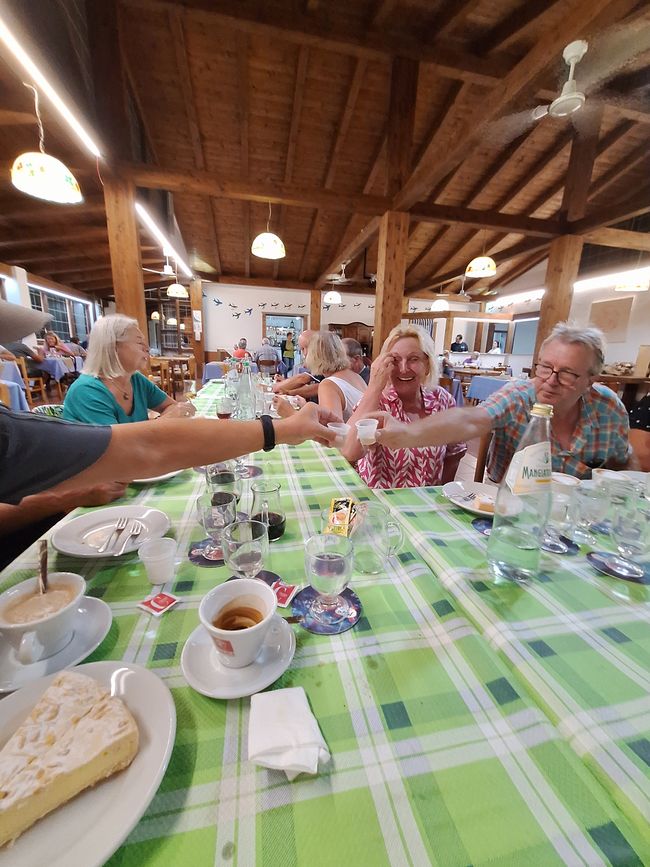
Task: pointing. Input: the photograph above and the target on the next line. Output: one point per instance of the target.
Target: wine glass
(631, 535)
(328, 564)
(245, 547)
(216, 511)
(591, 506)
(223, 477)
(225, 407)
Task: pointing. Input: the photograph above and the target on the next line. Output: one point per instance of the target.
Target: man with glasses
(589, 427)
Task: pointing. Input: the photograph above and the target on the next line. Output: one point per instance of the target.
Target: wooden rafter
(243, 112)
(620, 238)
(492, 219)
(449, 16)
(514, 26)
(633, 207)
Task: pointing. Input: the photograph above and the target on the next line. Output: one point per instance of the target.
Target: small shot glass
(341, 430)
(158, 556)
(366, 430)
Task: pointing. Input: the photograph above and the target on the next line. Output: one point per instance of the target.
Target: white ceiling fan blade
(511, 126)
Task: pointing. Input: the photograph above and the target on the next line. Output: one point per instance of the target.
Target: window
(35, 299)
(69, 316)
(58, 310)
(80, 315)
(524, 340)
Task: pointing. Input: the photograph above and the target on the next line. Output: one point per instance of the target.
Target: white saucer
(84, 535)
(204, 673)
(464, 494)
(92, 623)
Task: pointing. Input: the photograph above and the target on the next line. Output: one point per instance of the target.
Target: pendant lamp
(172, 321)
(481, 266)
(155, 316)
(177, 290)
(268, 245)
(439, 304)
(332, 297)
(40, 175)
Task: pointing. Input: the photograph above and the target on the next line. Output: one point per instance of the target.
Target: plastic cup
(341, 430)
(366, 431)
(158, 556)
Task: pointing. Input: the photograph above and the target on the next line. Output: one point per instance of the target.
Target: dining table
(17, 399)
(467, 724)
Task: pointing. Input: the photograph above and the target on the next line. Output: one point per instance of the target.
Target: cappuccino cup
(237, 615)
(39, 625)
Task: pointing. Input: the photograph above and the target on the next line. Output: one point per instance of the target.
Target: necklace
(123, 391)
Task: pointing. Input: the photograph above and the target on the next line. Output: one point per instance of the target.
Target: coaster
(334, 623)
(268, 577)
(483, 525)
(197, 556)
(249, 471)
(560, 545)
(618, 567)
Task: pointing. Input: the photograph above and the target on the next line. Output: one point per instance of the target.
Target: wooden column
(391, 266)
(478, 337)
(124, 246)
(562, 270)
(449, 331)
(401, 120)
(314, 309)
(196, 302)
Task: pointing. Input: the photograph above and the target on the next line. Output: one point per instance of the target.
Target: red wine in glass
(223, 414)
(276, 524)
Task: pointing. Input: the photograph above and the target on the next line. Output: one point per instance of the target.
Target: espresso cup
(238, 647)
(50, 628)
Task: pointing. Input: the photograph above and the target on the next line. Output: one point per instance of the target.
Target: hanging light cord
(41, 134)
(268, 221)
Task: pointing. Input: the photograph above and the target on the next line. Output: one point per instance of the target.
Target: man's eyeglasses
(564, 377)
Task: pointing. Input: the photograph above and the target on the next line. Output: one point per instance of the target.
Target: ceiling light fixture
(177, 290)
(40, 175)
(332, 297)
(172, 321)
(439, 304)
(155, 316)
(267, 245)
(481, 266)
(159, 235)
(44, 85)
(603, 281)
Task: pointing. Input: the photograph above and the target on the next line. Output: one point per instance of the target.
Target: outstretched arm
(450, 426)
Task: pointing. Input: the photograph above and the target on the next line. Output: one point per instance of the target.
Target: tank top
(351, 393)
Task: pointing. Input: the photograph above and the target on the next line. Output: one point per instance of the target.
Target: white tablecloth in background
(10, 372)
(17, 399)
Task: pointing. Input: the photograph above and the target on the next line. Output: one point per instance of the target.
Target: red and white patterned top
(408, 468)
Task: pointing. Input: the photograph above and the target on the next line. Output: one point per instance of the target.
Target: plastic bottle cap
(543, 410)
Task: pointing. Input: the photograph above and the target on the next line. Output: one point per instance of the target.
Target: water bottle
(245, 394)
(523, 504)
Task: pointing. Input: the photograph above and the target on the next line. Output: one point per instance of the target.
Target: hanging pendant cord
(41, 134)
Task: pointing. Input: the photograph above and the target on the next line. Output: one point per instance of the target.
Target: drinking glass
(216, 510)
(631, 535)
(328, 565)
(557, 524)
(223, 477)
(375, 538)
(225, 407)
(268, 509)
(245, 546)
(591, 506)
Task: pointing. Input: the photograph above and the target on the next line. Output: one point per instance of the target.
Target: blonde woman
(342, 388)
(404, 382)
(54, 347)
(112, 389)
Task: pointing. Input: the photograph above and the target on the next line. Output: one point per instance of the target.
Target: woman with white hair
(404, 383)
(112, 389)
(341, 388)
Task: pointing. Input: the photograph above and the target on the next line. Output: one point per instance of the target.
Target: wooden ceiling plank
(401, 122)
(620, 238)
(449, 16)
(332, 165)
(322, 30)
(30, 211)
(491, 219)
(516, 85)
(16, 118)
(584, 150)
(62, 233)
(628, 164)
(381, 13)
(514, 26)
(617, 213)
(243, 112)
(351, 250)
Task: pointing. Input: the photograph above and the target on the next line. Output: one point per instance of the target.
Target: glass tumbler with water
(523, 504)
(328, 565)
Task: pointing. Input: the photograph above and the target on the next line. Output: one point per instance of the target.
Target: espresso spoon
(42, 560)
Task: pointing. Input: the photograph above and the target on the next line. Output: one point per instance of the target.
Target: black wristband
(269, 432)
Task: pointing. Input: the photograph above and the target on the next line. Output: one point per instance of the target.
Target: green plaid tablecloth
(439, 754)
(578, 641)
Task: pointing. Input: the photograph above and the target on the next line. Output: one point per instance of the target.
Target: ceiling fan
(590, 66)
(339, 278)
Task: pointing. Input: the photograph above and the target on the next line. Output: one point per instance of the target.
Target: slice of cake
(484, 503)
(46, 761)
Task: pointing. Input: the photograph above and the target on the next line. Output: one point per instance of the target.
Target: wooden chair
(445, 382)
(268, 367)
(481, 457)
(34, 385)
(161, 374)
(4, 395)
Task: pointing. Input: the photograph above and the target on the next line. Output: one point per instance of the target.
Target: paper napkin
(283, 733)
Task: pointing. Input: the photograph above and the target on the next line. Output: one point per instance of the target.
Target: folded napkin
(283, 733)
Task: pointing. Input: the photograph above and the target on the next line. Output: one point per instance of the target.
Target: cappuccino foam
(36, 606)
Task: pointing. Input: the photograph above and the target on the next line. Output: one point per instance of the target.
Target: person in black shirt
(459, 344)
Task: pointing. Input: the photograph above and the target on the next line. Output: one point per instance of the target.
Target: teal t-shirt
(89, 401)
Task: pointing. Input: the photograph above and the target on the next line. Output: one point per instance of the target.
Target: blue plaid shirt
(600, 435)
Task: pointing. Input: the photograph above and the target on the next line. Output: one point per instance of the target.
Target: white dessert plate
(154, 479)
(204, 673)
(84, 535)
(87, 830)
(464, 494)
(91, 627)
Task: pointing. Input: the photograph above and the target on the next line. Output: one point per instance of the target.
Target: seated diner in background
(75, 347)
(54, 346)
(240, 351)
(112, 389)
(404, 383)
(589, 427)
(341, 388)
(303, 384)
(354, 351)
(33, 358)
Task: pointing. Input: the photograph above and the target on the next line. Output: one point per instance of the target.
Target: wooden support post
(449, 331)
(314, 310)
(196, 302)
(124, 246)
(401, 120)
(562, 270)
(391, 267)
(478, 338)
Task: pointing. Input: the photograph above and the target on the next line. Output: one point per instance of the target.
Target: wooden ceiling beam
(620, 238)
(449, 16)
(16, 118)
(512, 223)
(243, 280)
(513, 26)
(61, 234)
(584, 150)
(323, 30)
(635, 158)
(351, 250)
(152, 177)
(30, 211)
(617, 213)
(243, 113)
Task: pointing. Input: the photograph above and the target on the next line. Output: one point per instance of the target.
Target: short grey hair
(588, 336)
(265, 341)
(352, 347)
(102, 358)
(326, 354)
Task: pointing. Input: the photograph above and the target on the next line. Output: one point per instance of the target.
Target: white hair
(589, 337)
(102, 358)
(426, 345)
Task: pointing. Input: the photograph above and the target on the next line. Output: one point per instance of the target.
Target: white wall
(638, 331)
